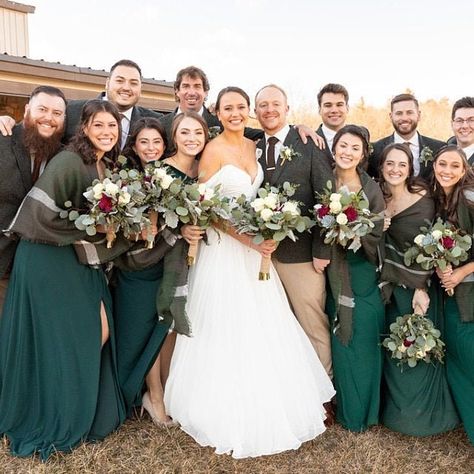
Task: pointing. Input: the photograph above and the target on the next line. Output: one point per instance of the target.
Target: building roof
(17, 7)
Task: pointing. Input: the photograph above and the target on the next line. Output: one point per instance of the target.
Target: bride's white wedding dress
(248, 382)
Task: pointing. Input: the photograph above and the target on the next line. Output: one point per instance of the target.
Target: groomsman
(23, 156)
(333, 106)
(123, 88)
(405, 115)
(462, 123)
(299, 264)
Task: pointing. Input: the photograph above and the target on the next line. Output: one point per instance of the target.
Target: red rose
(106, 204)
(323, 211)
(407, 343)
(351, 214)
(447, 242)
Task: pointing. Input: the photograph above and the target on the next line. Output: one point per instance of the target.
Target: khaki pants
(306, 291)
(3, 292)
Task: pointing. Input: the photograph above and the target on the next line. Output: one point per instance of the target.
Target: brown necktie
(36, 168)
(272, 141)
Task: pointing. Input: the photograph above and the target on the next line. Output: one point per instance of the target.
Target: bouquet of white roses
(412, 338)
(201, 205)
(116, 202)
(270, 216)
(344, 217)
(437, 246)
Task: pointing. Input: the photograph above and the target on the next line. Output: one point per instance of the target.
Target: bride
(249, 382)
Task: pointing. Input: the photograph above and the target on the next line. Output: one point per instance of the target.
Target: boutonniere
(287, 153)
(426, 155)
(258, 153)
(214, 132)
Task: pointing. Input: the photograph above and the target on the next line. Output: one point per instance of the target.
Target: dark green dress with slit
(140, 334)
(58, 386)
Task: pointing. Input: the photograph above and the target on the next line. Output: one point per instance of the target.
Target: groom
(299, 264)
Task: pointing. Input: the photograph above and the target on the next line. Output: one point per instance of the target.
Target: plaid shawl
(404, 227)
(338, 270)
(65, 179)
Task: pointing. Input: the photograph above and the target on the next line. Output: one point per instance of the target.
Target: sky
(376, 48)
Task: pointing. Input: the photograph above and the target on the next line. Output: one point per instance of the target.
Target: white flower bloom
(335, 197)
(166, 181)
(437, 234)
(124, 198)
(258, 153)
(202, 189)
(335, 207)
(266, 214)
(209, 193)
(111, 189)
(341, 219)
(97, 190)
(258, 204)
(271, 200)
(317, 206)
(402, 348)
(419, 240)
(160, 173)
(291, 207)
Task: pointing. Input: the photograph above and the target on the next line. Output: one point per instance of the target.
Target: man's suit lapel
(22, 157)
(326, 150)
(470, 159)
(289, 140)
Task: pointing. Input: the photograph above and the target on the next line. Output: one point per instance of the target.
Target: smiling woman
(58, 380)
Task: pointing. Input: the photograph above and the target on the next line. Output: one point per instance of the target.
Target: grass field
(140, 447)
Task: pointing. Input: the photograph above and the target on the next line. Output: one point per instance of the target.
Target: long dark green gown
(358, 366)
(416, 401)
(57, 387)
(140, 335)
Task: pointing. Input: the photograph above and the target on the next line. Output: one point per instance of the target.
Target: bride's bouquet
(438, 246)
(198, 204)
(272, 215)
(414, 338)
(344, 217)
(116, 203)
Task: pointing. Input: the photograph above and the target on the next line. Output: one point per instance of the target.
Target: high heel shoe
(148, 407)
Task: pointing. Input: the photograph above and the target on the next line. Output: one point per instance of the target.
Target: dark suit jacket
(74, 109)
(311, 172)
(453, 141)
(378, 147)
(327, 152)
(15, 182)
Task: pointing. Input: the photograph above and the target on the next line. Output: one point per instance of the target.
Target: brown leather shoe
(330, 414)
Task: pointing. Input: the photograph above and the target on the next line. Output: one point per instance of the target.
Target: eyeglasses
(459, 122)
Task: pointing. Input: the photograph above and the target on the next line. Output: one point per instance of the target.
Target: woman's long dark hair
(362, 133)
(142, 124)
(413, 183)
(80, 142)
(447, 204)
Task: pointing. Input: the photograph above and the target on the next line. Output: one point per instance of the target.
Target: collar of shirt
(469, 150)
(414, 142)
(127, 114)
(281, 135)
(328, 135)
(179, 111)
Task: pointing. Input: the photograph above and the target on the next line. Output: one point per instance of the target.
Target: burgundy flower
(447, 242)
(407, 343)
(323, 211)
(351, 213)
(106, 204)
(147, 179)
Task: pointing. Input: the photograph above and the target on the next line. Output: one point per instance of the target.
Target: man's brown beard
(43, 148)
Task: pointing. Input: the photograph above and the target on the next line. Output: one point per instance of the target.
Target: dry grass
(140, 447)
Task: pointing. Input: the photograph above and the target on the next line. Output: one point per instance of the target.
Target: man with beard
(405, 114)
(123, 88)
(333, 107)
(23, 156)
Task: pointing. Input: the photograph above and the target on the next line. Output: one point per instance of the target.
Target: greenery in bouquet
(344, 217)
(438, 245)
(116, 203)
(414, 338)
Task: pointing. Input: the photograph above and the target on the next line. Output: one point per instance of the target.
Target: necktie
(272, 141)
(124, 137)
(36, 168)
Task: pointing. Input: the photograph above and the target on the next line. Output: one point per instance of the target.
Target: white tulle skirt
(248, 382)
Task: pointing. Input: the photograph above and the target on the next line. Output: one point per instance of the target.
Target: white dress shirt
(414, 148)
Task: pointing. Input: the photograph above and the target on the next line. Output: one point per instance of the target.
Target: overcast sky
(376, 48)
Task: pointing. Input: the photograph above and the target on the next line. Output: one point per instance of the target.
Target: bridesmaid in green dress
(356, 307)
(144, 346)
(58, 376)
(453, 191)
(416, 401)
